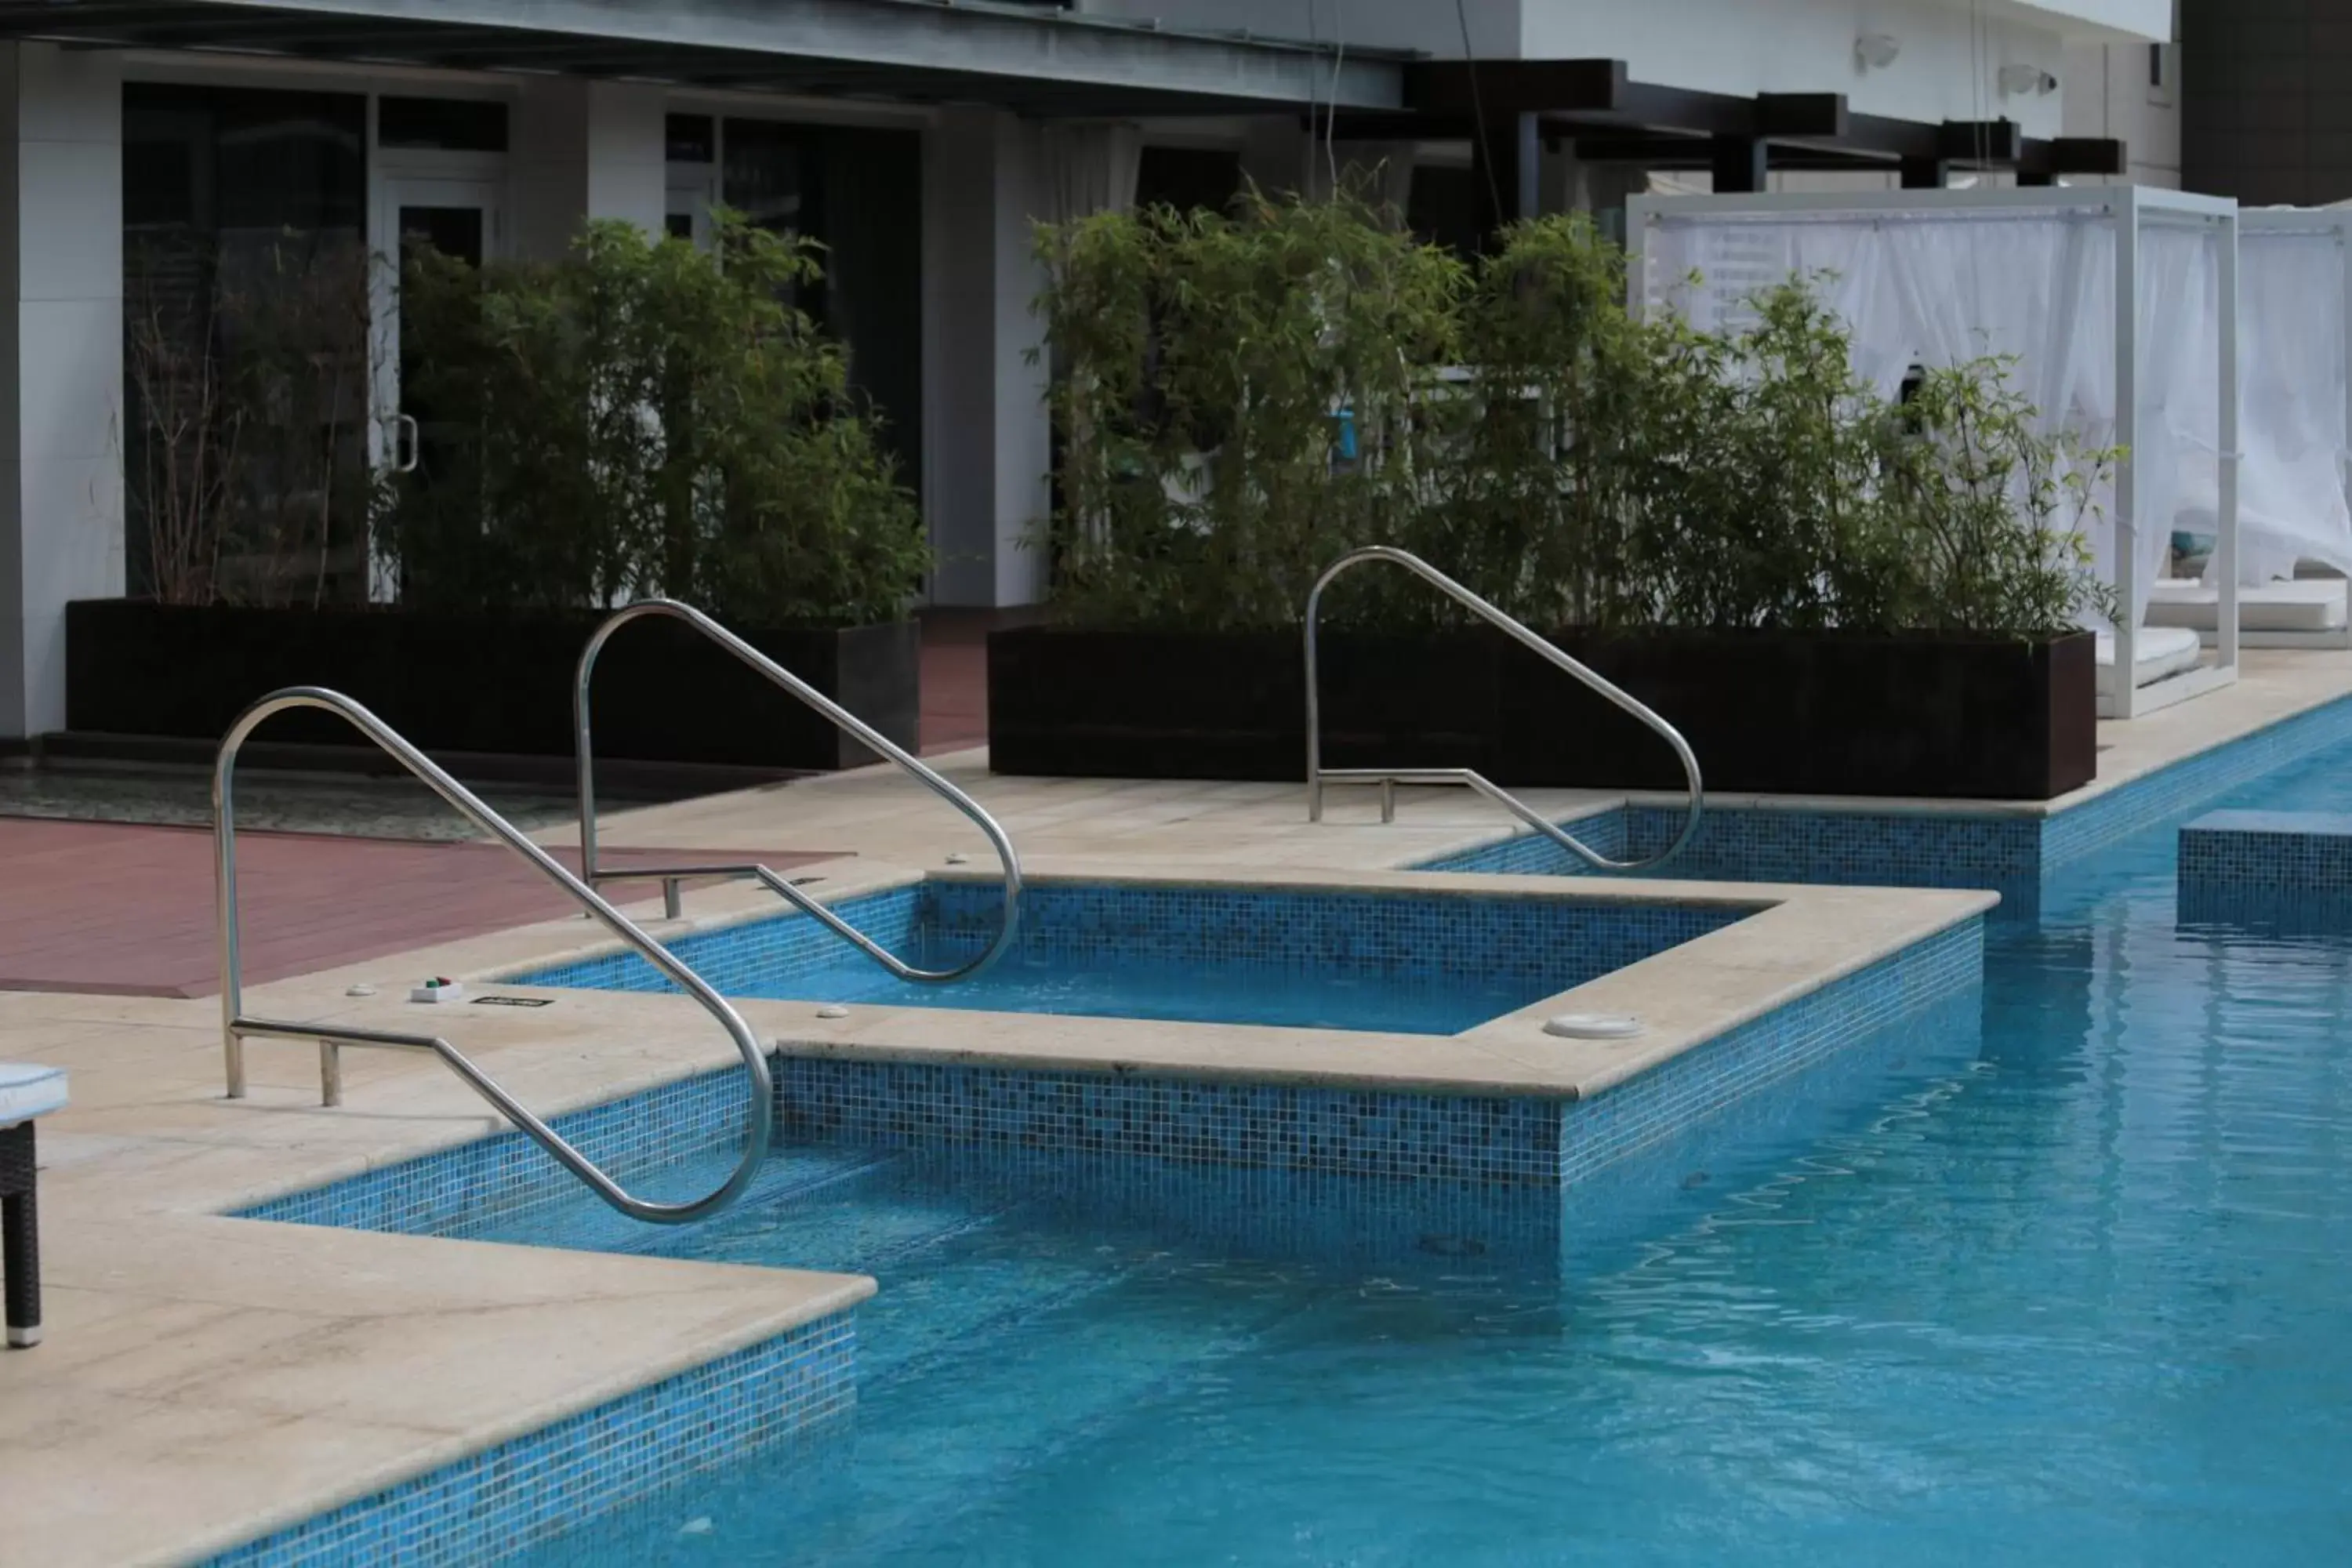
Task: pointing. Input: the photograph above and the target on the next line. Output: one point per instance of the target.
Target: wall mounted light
(2018, 80)
(1876, 51)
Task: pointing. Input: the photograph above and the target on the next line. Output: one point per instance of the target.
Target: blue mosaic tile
(1356, 1132)
(2016, 855)
(1500, 1140)
(1481, 1175)
(1739, 844)
(1550, 943)
(1696, 1088)
(2173, 791)
(472, 1186)
(490, 1505)
(2268, 851)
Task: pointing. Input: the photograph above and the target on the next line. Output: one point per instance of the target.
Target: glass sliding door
(245, 344)
(461, 219)
(858, 192)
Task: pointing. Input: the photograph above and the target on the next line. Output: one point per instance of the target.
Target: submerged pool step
(2267, 868)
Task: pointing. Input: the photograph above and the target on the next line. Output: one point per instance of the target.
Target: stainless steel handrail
(1389, 778)
(670, 877)
(236, 1026)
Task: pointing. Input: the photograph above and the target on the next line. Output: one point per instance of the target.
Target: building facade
(160, 150)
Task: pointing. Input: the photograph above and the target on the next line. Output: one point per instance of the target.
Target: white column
(985, 426)
(61, 346)
(582, 150)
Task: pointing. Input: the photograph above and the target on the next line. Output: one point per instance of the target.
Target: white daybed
(2295, 612)
(2118, 304)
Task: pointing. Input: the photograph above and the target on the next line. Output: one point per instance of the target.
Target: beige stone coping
(878, 811)
(1791, 941)
(205, 1381)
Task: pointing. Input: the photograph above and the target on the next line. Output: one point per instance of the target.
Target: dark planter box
(495, 684)
(1779, 714)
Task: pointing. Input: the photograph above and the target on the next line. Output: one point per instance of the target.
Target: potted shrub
(634, 419)
(1827, 594)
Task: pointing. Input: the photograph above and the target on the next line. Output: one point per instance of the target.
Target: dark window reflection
(858, 192)
(246, 343)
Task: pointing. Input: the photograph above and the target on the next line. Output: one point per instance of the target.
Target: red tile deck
(128, 911)
(955, 679)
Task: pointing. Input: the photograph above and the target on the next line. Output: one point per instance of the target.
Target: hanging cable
(1479, 108)
(1339, 58)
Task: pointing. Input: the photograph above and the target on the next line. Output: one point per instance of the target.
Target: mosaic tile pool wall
(1498, 1141)
(1490, 1176)
(472, 1186)
(1554, 944)
(2271, 873)
(490, 1505)
(2012, 854)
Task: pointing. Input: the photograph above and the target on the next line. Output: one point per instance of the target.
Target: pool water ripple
(2081, 1300)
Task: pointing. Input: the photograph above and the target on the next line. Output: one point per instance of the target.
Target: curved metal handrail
(1389, 778)
(777, 674)
(236, 1026)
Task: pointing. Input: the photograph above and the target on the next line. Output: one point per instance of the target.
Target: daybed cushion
(27, 1091)
(2304, 605)
(2157, 651)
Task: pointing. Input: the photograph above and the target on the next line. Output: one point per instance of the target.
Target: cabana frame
(2128, 210)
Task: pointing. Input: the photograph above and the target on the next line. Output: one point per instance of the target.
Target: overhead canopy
(1048, 62)
(1037, 59)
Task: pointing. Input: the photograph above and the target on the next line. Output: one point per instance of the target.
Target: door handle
(405, 443)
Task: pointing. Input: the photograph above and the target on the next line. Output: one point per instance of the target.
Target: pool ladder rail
(1318, 775)
(237, 1026)
(672, 877)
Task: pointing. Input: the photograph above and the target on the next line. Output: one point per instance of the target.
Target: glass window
(446, 124)
(244, 299)
(858, 192)
(691, 139)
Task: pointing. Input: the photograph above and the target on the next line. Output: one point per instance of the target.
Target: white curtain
(1091, 169)
(2291, 378)
(1939, 288)
(2176, 449)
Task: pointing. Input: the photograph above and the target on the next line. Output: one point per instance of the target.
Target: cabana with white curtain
(2118, 304)
(2294, 363)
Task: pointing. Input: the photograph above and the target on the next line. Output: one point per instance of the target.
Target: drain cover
(1593, 1026)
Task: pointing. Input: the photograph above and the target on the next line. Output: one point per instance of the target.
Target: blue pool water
(1420, 964)
(2080, 1298)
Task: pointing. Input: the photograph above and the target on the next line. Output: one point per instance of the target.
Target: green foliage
(1755, 475)
(1206, 369)
(1990, 507)
(245, 440)
(1519, 428)
(641, 417)
(1527, 492)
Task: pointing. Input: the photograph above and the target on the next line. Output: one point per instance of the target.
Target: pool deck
(206, 1379)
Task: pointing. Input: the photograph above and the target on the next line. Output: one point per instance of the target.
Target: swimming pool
(2076, 1299)
(1433, 964)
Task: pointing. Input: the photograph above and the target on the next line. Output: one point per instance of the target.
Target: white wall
(2110, 92)
(1948, 67)
(60, 362)
(1952, 50)
(581, 149)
